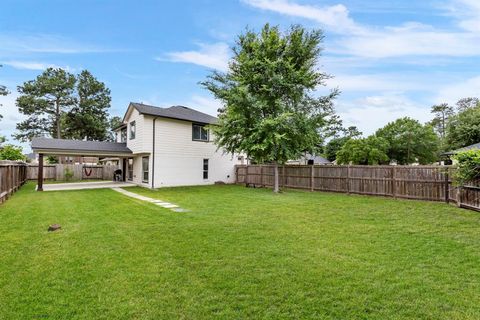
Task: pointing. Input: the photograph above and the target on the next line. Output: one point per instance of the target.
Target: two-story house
(157, 147)
(172, 147)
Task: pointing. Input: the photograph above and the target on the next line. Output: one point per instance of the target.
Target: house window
(123, 135)
(130, 169)
(132, 130)
(205, 169)
(145, 161)
(199, 132)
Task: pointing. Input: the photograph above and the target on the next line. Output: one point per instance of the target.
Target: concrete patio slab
(86, 185)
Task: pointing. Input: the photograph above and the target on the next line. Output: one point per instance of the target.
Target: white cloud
(413, 41)
(204, 104)
(43, 43)
(373, 112)
(335, 17)
(213, 56)
(11, 117)
(382, 82)
(467, 13)
(32, 65)
(408, 39)
(453, 92)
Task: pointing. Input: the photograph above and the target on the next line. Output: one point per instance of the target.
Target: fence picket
(431, 183)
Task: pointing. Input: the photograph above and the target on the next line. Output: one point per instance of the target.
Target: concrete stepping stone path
(157, 202)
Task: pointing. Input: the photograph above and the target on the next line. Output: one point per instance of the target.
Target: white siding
(179, 160)
(138, 144)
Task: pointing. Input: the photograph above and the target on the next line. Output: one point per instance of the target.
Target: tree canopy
(11, 152)
(463, 129)
(88, 118)
(113, 124)
(409, 141)
(366, 151)
(59, 104)
(442, 113)
(336, 143)
(268, 110)
(45, 100)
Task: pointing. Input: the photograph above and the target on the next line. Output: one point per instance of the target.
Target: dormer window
(199, 133)
(132, 130)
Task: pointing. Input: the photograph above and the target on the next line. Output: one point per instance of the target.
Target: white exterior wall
(178, 159)
(141, 146)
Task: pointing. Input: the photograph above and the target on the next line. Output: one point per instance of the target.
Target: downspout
(153, 154)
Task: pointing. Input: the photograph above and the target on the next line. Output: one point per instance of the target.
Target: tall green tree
(463, 129)
(409, 141)
(88, 118)
(113, 124)
(336, 143)
(45, 101)
(365, 151)
(269, 112)
(442, 112)
(467, 103)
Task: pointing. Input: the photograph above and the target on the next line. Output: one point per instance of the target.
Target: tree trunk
(57, 115)
(276, 186)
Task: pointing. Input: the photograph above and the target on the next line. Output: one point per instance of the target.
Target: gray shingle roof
(77, 145)
(470, 147)
(175, 112)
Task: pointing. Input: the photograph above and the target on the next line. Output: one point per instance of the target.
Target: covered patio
(63, 147)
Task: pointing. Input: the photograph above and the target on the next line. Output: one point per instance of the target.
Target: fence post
(246, 175)
(447, 189)
(312, 178)
(262, 182)
(459, 196)
(394, 182)
(348, 179)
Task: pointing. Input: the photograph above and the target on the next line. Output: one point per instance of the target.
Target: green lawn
(238, 253)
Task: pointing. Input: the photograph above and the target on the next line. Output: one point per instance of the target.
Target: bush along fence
(75, 172)
(433, 183)
(13, 174)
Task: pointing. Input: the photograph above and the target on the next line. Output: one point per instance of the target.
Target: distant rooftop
(175, 112)
(470, 147)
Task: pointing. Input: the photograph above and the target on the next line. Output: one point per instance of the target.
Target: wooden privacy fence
(432, 183)
(13, 175)
(79, 171)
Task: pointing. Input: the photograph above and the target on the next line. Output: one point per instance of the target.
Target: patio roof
(81, 148)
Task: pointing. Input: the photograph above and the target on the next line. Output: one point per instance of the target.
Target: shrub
(11, 152)
(468, 166)
(68, 174)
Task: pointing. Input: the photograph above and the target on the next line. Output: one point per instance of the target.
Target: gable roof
(470, 147)
(63, 146)
(175, 112)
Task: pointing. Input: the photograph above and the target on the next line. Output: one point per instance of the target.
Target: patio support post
(40, 172)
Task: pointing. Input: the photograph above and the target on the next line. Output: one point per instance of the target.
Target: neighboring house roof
(175, 112)
(470, 147)
(320, 160)
(316, 159)
(64, 147)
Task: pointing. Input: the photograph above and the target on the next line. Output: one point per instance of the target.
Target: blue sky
(389, 58)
